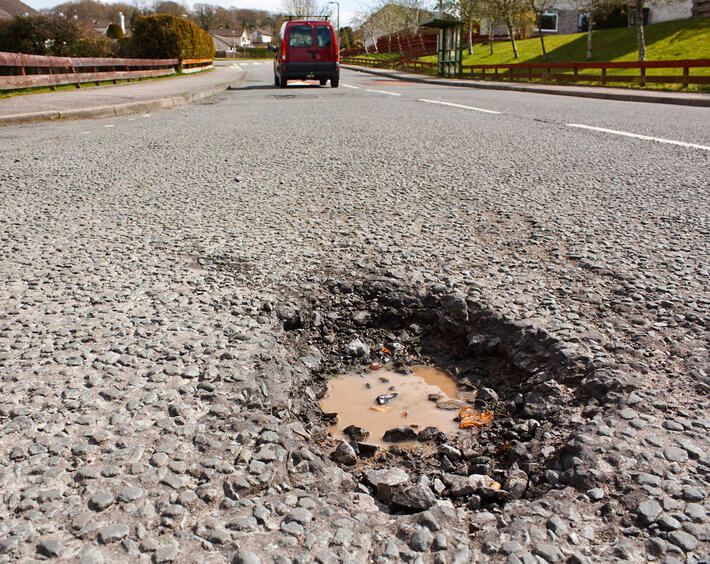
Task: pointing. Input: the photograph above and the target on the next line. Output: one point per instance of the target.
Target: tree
(539, 7)
(305, 8)
(170, 7)
(637, 7)
(593, 11)
(470, 13)
(114, 31)
(510, 13)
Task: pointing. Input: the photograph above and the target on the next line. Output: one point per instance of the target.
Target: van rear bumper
(301, 71)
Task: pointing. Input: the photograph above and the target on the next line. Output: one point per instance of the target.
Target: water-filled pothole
(524, 376)
(403, 406)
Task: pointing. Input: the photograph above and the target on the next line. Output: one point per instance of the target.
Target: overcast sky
(347, 7)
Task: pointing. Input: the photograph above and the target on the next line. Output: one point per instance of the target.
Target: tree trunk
(470, 37)
(490, 36)
(640, 39)
(590, 24)
(511, 31)
(542, 37)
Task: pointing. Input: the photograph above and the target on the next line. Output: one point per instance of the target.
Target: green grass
(685, 39)
(380, 56)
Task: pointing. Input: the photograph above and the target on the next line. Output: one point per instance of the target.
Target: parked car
(308, 50)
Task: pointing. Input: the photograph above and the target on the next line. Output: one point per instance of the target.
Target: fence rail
(563, 71)
(19, 70)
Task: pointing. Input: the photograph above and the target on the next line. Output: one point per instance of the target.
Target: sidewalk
(604, 93)
(107, 101)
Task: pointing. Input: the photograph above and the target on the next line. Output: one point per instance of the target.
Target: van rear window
(323, 36)
(301, 36)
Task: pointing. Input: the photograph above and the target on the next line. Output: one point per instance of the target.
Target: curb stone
(119, 109)
(692, 99)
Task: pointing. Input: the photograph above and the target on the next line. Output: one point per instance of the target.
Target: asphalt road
(140, 258)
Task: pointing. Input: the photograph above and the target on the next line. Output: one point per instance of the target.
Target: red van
(308, 50)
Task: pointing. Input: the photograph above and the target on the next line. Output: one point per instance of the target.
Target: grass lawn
(685, 39)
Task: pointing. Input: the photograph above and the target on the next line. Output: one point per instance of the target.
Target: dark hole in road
(526, 386)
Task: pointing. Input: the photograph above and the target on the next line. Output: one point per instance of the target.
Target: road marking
(458, 106)
(109, 125)
(353, 87)
(382, 92)
(638, 136)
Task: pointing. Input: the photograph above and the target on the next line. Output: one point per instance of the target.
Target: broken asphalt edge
(698, 99)
(114, 110)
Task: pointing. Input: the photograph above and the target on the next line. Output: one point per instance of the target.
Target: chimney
(122, 21)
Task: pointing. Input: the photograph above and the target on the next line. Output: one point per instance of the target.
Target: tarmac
(115, 100)
(604, 93)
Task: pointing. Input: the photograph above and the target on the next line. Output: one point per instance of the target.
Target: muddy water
(356, 404)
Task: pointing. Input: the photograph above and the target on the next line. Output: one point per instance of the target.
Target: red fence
(18, 70)
(563, 72)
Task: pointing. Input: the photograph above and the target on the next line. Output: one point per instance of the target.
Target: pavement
(602, 93)
(106, 101)
(179, 288)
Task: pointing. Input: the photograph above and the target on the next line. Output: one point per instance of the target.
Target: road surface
(169, 282)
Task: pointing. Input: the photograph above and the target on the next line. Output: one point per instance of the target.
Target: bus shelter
(449, 45)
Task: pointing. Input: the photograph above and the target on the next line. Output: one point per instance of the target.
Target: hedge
(163, 36)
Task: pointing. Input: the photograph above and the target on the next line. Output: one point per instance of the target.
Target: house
(229, 40)
(565, 17)
(11, 8)
(261, 37)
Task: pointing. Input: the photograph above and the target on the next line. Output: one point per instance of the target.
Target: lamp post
(338, 23)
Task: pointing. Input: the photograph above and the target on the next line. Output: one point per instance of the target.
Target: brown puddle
(356, 404)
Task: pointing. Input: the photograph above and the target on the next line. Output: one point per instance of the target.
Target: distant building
(261, 37)
(563, 17)
(229, 40)
(11, 8)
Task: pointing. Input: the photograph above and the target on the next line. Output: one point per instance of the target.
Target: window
(548, 22)
(301, 36)
(323, 37)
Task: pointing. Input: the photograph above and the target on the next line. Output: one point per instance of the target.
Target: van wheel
(283, 82)
(334, 82)
(277, 81)
(323, 81)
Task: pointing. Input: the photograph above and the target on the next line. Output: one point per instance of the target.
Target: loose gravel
(176, 290)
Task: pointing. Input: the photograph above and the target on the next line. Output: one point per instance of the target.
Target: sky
(348, 8)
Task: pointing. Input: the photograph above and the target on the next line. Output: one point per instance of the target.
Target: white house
(260, 37)
(230, 39)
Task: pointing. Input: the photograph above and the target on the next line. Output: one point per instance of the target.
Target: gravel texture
(176, 289)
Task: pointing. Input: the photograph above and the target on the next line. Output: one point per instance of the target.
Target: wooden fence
(563, 72)
(18, 70)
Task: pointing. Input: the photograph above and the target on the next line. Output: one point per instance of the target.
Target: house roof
(15, 8)
(262, 32)
(5, 15)
(221, 32)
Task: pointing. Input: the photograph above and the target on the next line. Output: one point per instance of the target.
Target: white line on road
(353, 87)
(382, 92)
(637, 136)
(109, 125)
(458, 106)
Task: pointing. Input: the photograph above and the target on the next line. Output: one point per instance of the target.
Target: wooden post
(686, 75)
(642, 79)
(575, 71)
(603, 75)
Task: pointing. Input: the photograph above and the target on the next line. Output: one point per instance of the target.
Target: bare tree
(509, 13)
(539, 7)
(305, 8)
(471, 12)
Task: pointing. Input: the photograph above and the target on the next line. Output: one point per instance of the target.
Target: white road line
(353, 87)
(109, 125)
(382, 92)
(644, 137)
(458, 106)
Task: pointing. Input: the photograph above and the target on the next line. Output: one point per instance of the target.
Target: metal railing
(563, 71)
(18, 70)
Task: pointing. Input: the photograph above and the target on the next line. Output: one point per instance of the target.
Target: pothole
(526, 395)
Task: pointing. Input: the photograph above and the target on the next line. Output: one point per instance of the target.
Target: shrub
(52, 35)
(169, 37)
(114, 31)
